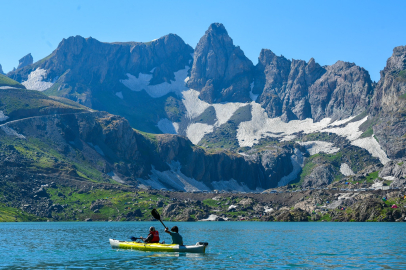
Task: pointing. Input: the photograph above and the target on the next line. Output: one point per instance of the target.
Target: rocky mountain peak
(397, 61)
(25, 61)
(221, 71)
(218, 28)
(1, 70)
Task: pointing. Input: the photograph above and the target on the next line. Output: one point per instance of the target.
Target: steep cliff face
(388, 106)
(221, 71)
(25, 61)
(299, 90)
(1, 70)
(120, 78)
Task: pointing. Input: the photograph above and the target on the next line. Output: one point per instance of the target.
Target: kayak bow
(200, 247)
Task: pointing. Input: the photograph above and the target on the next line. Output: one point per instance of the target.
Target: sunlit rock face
(298, 90)
(221, 72)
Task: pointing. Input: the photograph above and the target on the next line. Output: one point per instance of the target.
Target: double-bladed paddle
(156, 215)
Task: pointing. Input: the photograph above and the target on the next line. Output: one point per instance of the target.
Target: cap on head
(152, 229)
(175, 229)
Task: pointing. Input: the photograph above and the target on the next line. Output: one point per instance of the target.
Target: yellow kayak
(200, 247)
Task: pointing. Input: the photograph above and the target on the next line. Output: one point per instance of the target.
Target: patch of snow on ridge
(211, 217)
(315, 147)
(115, 177)
(297, 163)
(158, 90)
(341, 122)
(195, 132)
(346, 170)
(350, 131)
(3, 117)
(166, 126)
(224, 111)
(11, 132)
(373, 147)
(252, 95)
(35, 80)
(194, 105)
(120, 95)
(260, 126)
(173, 178)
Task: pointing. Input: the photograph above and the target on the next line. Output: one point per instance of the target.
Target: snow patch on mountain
(3, 117)
(350, 131)
(297, 163)
(373, 147)
(224, 111)
(315, 147)
(173, 179)
(167, 126)
(196, 131)
(120, 95)
(11, 132)
(157, 90)
(346, 170)
(36, 81)
(194, 105)
(115, 177)
(260, 126)
(252, 95)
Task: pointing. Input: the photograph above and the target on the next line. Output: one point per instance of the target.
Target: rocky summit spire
(1, 70)
(25, 61)
(221, 71)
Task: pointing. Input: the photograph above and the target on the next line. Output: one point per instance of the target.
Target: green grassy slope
(6, 81)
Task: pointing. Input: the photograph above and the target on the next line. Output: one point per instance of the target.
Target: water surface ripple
(256, 245)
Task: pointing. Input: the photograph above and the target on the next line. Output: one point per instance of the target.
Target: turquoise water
(240, 245)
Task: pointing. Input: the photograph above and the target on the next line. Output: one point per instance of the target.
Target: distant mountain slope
(299, 120)
(6, 82)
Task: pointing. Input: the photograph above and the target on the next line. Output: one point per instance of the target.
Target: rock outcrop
(1, 70)
(25, 61)
(221, 71)
(299, 90)
(387, 112)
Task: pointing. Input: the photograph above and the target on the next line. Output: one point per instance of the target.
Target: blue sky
(363, 32)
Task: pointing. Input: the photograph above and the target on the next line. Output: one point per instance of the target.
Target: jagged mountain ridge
(222, 80)
(70, 140)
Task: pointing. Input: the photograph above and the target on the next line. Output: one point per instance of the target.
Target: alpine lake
(232, 245)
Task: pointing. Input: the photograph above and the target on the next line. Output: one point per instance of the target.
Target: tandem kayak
(200, 247)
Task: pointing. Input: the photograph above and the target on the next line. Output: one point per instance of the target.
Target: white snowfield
(158, 90)
(196, 131)
(173, 179)
(297, 163)
(252, 95)
(115, 177)
(120, 95)
(11, 132)
(211, 217)
(373, 147)
(167, 126)
(315, 147)
(36, 80)
(3, 117)
(194, 105)
(346, 170)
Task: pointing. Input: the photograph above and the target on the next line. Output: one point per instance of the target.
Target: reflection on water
(231, 245)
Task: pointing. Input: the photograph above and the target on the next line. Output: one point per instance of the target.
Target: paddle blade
(155, 214)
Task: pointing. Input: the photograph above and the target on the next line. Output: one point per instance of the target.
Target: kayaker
(153, 236)
(176, 237)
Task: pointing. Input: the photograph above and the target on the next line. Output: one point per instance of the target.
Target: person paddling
(153, 236)
(176, 237)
